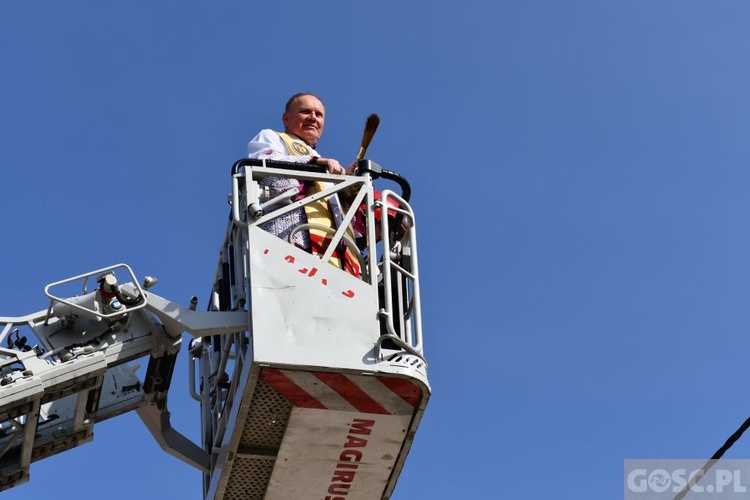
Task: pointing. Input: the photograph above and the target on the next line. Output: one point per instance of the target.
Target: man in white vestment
(303, 119)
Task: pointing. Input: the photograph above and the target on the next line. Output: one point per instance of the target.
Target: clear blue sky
(580, 177)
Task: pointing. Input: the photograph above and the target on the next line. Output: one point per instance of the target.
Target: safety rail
(250, 206)
(400, 277)
(389, 256)
(76, 304)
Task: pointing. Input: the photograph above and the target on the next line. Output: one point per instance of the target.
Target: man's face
(305, 119)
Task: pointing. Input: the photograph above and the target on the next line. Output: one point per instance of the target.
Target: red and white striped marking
(351, 393)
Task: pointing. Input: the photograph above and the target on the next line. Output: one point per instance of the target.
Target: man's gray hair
(295, 96)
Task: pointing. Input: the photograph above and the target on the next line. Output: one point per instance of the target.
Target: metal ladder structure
(311, 380)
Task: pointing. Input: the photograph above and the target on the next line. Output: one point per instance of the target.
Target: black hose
(126, 301)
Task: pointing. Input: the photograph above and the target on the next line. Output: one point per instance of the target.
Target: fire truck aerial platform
(308, 363)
